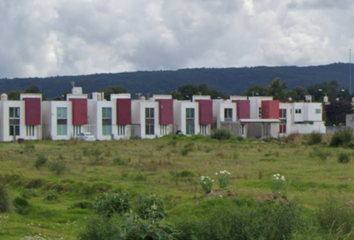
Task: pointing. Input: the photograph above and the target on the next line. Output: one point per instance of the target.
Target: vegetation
(149, 189)
(343, 138)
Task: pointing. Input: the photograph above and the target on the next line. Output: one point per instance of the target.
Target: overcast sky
(40, 38)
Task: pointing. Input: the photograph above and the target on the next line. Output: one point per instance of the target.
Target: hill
(227, 80)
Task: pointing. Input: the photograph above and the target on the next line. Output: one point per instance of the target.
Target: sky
(41, 38)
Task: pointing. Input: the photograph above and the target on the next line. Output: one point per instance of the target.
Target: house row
(121, 117)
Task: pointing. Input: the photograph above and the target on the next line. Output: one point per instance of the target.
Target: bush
(342, 138)
(51, 195)
(314, 138)
(150, 207)
(29, 146)
(322, 154)
(4, 199)
(120, 161)
(108, 204)
(335, 218)
(344, 157)
(186, 149)
(21, 205)
(221, 134)
(28, 193)
(41, 160)
(57, 166)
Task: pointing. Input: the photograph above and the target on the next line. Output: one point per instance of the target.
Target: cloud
(62, 37)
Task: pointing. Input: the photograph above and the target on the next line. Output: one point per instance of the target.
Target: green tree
(255, 90)
(112, 90)
(276, 89)
(296, 93)
(14, 94)
(32, 89)
(336, 112)
(186, 91)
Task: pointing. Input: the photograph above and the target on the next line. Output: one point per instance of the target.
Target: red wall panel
(205, 112)
(165, 111)
(124, 111)
(79, 111)
(243, 109)
(32, 111)
(270, 109)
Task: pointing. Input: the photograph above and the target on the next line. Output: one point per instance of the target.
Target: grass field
(169, 167)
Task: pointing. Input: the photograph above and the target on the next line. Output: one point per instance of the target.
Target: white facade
(145, 119)
(12, 120)
(102, 118)
(188, 126)
(57, 120)
(301, 118)
(224, 111)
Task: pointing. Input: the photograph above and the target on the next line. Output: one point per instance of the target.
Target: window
(30, 130)
(228, 114)
(14, 121)
(260, 112)
(282, 113)
(149, 121)
(106, 121)
(282, 128)
(318, 111)
(14, 112)
(61, 121)
(298, 111)
(189, 120)
(121, 130)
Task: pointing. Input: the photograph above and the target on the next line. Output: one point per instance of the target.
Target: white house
(301, 117)
(21, 118)
(109, 120)
(63, 120)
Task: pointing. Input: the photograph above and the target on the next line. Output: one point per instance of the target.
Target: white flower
(282, 178)
(216, 173)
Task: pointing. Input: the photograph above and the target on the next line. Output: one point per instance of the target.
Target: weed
(223, 178)
(321, 153)
(41, 160)
(343, 137)
(344, 157)
(221, 134)
(150, 207)
(29, 146)
(314, 138)
(120, 161)
(28, 193)
(21, 206)
(4, 199)
(108, 204)
(58, 167)
(51, 195)
(206, 183)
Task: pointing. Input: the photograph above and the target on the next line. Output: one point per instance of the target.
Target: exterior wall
(243, 109)
(51, 122)
(79, 111)
(180, 116)
(270, 109)
(219, 107)
(256, 104)
(310, 112)
(165, 111)
(298, 117)
(205, 112)
(138, 117)
(123, 113)
(29, 123)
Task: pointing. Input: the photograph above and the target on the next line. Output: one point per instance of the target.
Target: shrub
(28, 193)
(224, 178)
(108, 204)
(221, 134)
(335, 218)
(150, 207)
(120, 161)
(186, 149)
(343, 137)
(322, 154)
(57, 166)
(41, 160)
(314, 138)
(206, 183)
(4, 199)
(51, 195)
(344, 157)
(278, 183)
(21, 205)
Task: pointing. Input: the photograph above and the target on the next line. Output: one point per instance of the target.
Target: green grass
(158, 167)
